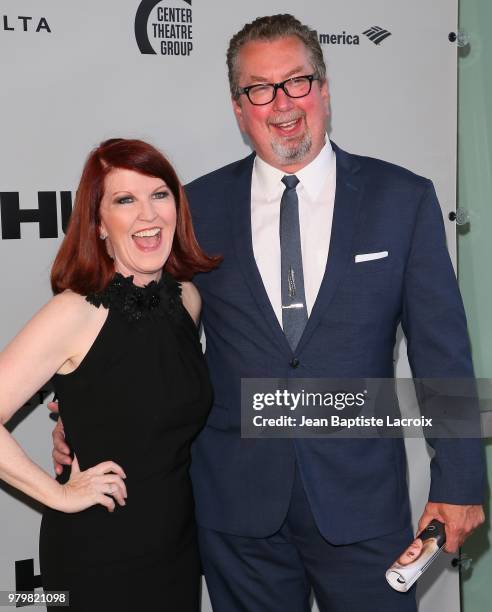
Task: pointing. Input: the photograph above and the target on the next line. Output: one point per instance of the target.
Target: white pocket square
(370, 256)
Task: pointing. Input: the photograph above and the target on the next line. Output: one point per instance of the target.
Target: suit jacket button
(294, 363)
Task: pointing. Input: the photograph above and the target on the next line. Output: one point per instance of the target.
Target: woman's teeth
(148, 232)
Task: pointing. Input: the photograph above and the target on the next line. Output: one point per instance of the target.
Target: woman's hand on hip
(102, 484)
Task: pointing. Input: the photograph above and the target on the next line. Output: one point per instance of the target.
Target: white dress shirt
(316, 194)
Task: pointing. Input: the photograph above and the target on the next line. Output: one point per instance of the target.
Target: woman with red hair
(120, 340)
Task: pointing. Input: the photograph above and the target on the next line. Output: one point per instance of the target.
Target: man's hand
(61, 452)
(459, 521)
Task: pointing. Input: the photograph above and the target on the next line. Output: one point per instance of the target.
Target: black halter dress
(139, 397)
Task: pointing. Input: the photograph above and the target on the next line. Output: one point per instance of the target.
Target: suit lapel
(240, 207)
(349, 189)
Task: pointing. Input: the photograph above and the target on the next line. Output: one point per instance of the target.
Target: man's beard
(293, 153)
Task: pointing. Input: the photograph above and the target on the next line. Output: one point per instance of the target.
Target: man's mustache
(286, 117)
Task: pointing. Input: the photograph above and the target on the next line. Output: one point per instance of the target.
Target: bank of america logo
(376, 34)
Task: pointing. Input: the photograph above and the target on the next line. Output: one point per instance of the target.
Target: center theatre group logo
(170, 28)
(376, 34)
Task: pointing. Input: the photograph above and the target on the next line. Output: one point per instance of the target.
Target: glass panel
(475, 240)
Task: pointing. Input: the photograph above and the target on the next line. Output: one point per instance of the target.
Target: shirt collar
(312, 177)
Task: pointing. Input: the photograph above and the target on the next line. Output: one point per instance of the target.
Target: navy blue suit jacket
(357, 488)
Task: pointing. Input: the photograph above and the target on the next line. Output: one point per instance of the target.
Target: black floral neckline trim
(135, 302)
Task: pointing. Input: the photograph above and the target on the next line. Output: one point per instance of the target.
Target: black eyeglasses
(264, 93)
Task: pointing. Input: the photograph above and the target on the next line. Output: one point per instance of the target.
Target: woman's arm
(54, 340)
(191, 300)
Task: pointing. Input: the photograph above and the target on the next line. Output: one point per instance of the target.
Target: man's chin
(293, 151)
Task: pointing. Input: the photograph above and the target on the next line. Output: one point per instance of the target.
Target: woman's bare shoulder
(191, 300)
(71, 308)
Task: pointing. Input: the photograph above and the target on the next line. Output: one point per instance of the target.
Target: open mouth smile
(147, 239)
(288, 128)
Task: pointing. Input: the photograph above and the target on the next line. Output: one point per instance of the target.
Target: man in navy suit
(280, 516)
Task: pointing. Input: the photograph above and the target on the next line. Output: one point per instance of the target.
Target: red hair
(82, 263)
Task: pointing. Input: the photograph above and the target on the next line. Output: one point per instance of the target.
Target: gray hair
(272, 27)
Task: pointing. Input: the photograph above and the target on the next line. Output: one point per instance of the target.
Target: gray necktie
(294, 311)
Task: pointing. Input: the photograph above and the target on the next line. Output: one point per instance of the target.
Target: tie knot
(290, 181)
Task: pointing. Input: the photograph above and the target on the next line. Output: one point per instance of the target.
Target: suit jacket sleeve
(434, 323)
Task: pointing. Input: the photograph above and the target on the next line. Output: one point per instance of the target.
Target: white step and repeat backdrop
(75, 73)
